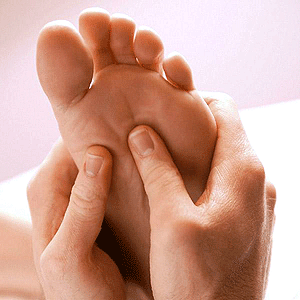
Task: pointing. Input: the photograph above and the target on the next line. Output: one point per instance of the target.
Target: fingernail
(142, 142)
(93, 164)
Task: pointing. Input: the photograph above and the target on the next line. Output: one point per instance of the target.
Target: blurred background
(246, 48)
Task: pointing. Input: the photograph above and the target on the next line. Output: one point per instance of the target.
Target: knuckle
(153, 171)
(87, 201)
(271, 203)
(257, 170)
(250, 203)
(218, 97)
(271, 197)
(224, 101)
(161, 177)
(271, 191)
(177, 227)
(32, 189)
(43, 180)
(224, 97)
(165, 218)
(84, 193)
(254, 170)
(53, 265)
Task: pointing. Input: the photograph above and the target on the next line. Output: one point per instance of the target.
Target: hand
(219, 247)
(67, 219)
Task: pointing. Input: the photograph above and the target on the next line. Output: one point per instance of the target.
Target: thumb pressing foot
(67, 217)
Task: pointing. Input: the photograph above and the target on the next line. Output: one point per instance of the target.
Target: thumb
(162, 181)
(84, 215)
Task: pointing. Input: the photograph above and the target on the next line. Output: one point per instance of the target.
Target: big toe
(64, 65)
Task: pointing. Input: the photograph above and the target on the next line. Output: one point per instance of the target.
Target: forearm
(18, 276)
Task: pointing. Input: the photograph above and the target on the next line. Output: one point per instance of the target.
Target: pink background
(246, 48)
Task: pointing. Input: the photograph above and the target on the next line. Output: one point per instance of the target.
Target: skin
(128, 89)
(217, 248)
(68, 262)
(18, 277)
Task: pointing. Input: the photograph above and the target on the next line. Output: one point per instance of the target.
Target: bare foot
(101, 84)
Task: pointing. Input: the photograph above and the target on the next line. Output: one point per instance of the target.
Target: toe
(149, 49)
(178, 72)
(94, 26)
(121, 39)
(64, 65)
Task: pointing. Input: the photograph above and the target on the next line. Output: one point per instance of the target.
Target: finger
(48, 195)
(231, 133)
(233, 150)
(84, 216)
(162, 181)
(236, 172)
(271, 191)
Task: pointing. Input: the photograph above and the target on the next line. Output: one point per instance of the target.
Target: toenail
(142, 142)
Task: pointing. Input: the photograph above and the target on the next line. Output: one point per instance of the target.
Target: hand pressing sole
(104, 81)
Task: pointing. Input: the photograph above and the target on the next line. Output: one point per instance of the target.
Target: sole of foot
(102, 82)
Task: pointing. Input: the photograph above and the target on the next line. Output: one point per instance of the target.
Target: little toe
(94, 26)
(64, 64)
(178, 71)
(149, 49)
(121, 39)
